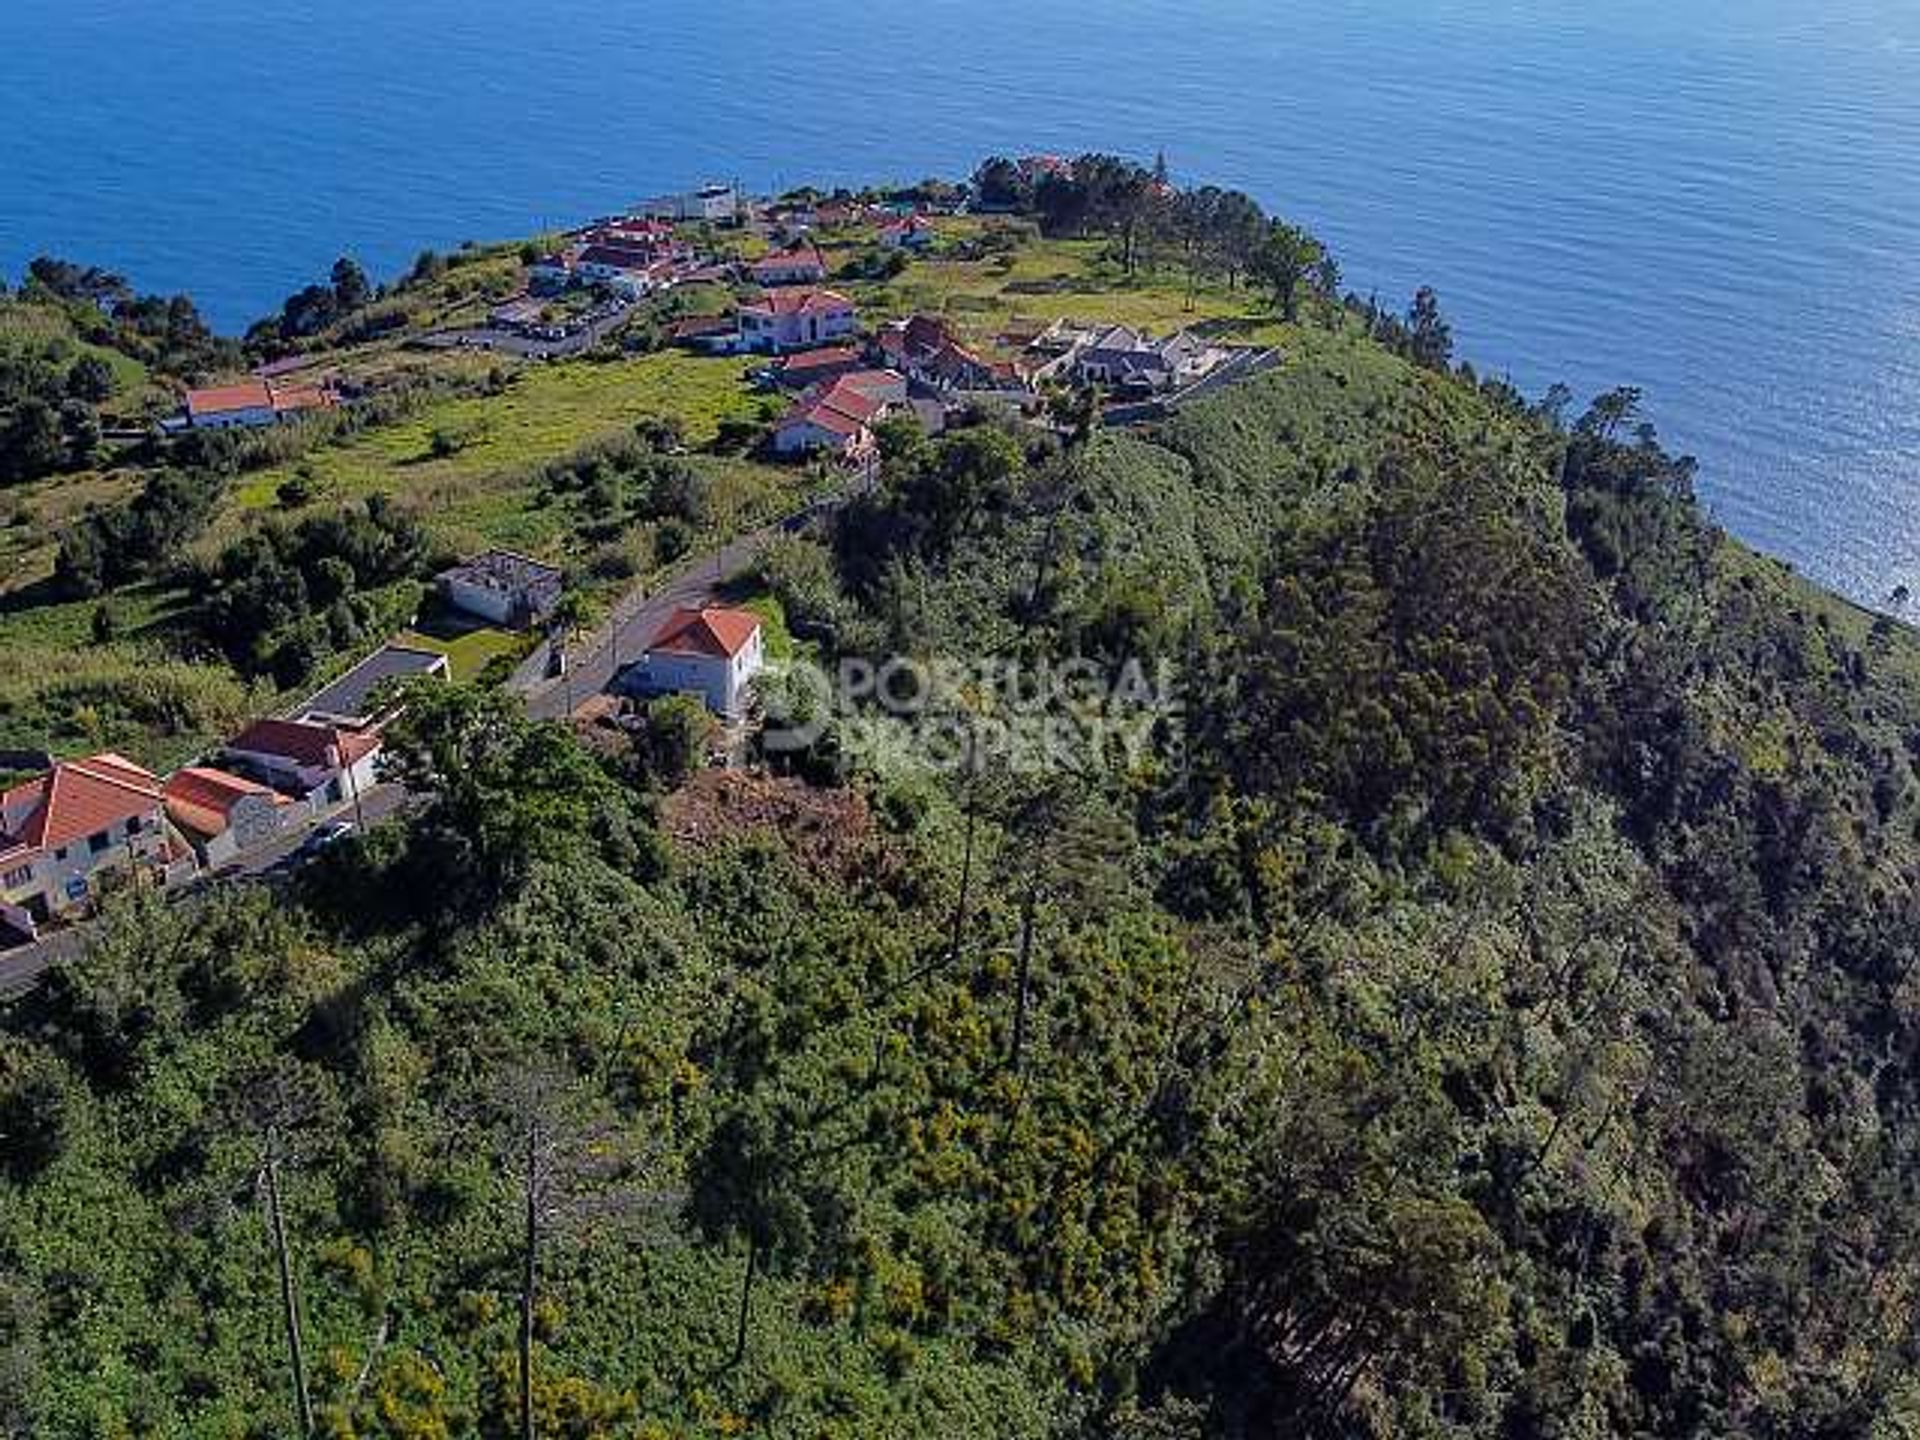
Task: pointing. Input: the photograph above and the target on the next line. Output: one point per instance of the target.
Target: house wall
(61, 879)
(699, 675)
(253, 417)
(719, 680)
(801, 436)
(768, 333)
(488, 604)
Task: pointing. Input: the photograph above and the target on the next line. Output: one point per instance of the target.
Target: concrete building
(504, 588)
(711, 204)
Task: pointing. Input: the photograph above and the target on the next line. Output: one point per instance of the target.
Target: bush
(672, 740)
(672, 539)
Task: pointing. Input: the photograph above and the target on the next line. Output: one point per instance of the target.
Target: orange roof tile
(202, 798)
(307, 744)
(220, 399)
(75, 799)
(713, 631)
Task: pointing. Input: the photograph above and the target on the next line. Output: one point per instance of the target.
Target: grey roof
(347, 698)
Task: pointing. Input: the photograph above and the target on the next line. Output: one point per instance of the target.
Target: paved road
(637, 618)
(21, 966)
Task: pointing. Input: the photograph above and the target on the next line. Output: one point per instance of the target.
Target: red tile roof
(203, 799)
(800, 302)
(305, 744)
(75, 799)
(831, 357)
(784, 260)
(713, 631)
(221, 399)
(256, 395)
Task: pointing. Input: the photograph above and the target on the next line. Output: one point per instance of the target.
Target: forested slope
(1481, 1007)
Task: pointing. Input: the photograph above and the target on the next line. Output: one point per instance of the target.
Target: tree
(1609, 412)
(90, 379)
(32, 443)
(998, 184)
(747, 1181)
(1075, 410)
(507, 792)
(1287, 258)
(351, 288)
(672, 740)
(566, 1171)
(1430, 337)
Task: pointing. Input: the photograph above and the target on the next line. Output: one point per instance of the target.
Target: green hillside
(1480, 1005)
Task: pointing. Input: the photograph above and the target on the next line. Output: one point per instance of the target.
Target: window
(135, 825)
(99, 841)
(60, 854)
(14, 879)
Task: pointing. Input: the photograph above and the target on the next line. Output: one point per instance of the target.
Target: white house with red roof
(838, 416)
(61, 828)
(321, 764)
(713, 652)
(248, 404)
(803, 265)
(222, 814)
(911, 232)
(784, 320)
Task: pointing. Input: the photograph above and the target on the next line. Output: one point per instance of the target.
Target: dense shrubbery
(282, 599)
(109, 548)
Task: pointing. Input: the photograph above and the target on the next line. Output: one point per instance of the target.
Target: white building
(322, 765)
(713, 204)
(796, 320)
(504, 587)
(838, 415)
(249, 404)
(713, 653)
(61, 828)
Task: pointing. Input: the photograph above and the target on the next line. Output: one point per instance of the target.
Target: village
(830, 378)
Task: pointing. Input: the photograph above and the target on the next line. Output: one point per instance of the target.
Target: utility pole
(353, 789)
(289, 1300)
(530, 1274)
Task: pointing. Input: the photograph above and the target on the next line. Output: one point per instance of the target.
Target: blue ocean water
(1713, 199)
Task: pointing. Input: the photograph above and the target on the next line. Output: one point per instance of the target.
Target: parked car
(326, 836)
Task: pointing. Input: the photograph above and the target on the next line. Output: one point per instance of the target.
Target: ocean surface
(1716, 200)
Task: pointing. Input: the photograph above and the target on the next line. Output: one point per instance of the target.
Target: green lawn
(469, 653)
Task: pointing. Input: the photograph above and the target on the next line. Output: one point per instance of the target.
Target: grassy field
(468, 652)
(473, 481)
(1047, 280)
(38, 327)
